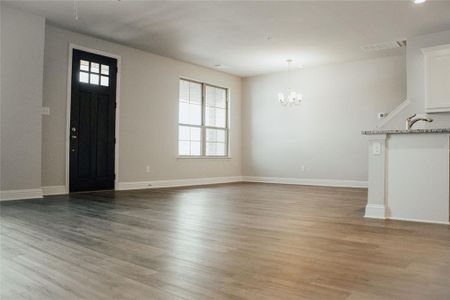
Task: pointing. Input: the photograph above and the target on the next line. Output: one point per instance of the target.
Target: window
(94, 73)
(202, 120)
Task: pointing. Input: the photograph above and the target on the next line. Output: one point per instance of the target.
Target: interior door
(92, 122)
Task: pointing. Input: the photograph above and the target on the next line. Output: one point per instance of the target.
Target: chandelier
(291, 97)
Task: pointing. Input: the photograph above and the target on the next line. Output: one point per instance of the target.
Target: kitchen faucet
(412, 120)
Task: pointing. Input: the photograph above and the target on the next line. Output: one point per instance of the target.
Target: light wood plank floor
(233, 241)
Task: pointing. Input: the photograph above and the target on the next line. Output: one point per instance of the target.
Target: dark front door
(92, 122)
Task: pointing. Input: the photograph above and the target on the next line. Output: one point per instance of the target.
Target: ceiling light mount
(419, 1)
(75, 9)
(221, 66)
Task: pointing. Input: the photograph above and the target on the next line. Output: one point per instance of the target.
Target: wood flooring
(231, 241)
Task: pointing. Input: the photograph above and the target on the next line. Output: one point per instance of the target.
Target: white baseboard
(420, 221)
(175, 183)
(60, 190)
(20, 194)
(375, 211)
(54, 190)
(306, 181)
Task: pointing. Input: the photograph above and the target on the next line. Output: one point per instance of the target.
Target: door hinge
(114, 140)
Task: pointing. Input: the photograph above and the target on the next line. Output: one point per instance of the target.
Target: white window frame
(203, 127)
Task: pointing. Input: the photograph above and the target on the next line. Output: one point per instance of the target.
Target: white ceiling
(249, 38)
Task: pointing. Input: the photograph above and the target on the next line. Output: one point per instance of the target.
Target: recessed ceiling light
(419, 1)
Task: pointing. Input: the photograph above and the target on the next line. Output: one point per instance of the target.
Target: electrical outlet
(376, 148)
(147, 169)
(45, 111)
(302, 168)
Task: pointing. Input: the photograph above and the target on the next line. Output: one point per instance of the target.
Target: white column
(376, 200)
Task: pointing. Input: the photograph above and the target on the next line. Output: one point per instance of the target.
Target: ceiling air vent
(384, 46)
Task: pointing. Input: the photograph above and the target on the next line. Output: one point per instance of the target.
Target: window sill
(204, 157)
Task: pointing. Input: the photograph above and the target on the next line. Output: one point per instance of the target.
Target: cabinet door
(437, 66)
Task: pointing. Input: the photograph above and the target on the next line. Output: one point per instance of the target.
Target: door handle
(74, 136)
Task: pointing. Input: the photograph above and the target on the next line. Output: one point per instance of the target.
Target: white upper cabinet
(437, 78)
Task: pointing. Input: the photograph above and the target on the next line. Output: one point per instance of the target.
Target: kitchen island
(409, 175)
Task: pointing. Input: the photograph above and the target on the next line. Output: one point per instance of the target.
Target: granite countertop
(404, 131)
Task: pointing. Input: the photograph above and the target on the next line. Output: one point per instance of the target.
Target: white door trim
(69, 100)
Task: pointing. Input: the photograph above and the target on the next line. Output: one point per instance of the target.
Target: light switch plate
(45, 111)
(382, 115)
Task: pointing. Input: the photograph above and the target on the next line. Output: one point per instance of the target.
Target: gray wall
(416, 68)
(22, 55)
(323, 133)
(416, 81)
(148, 113)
